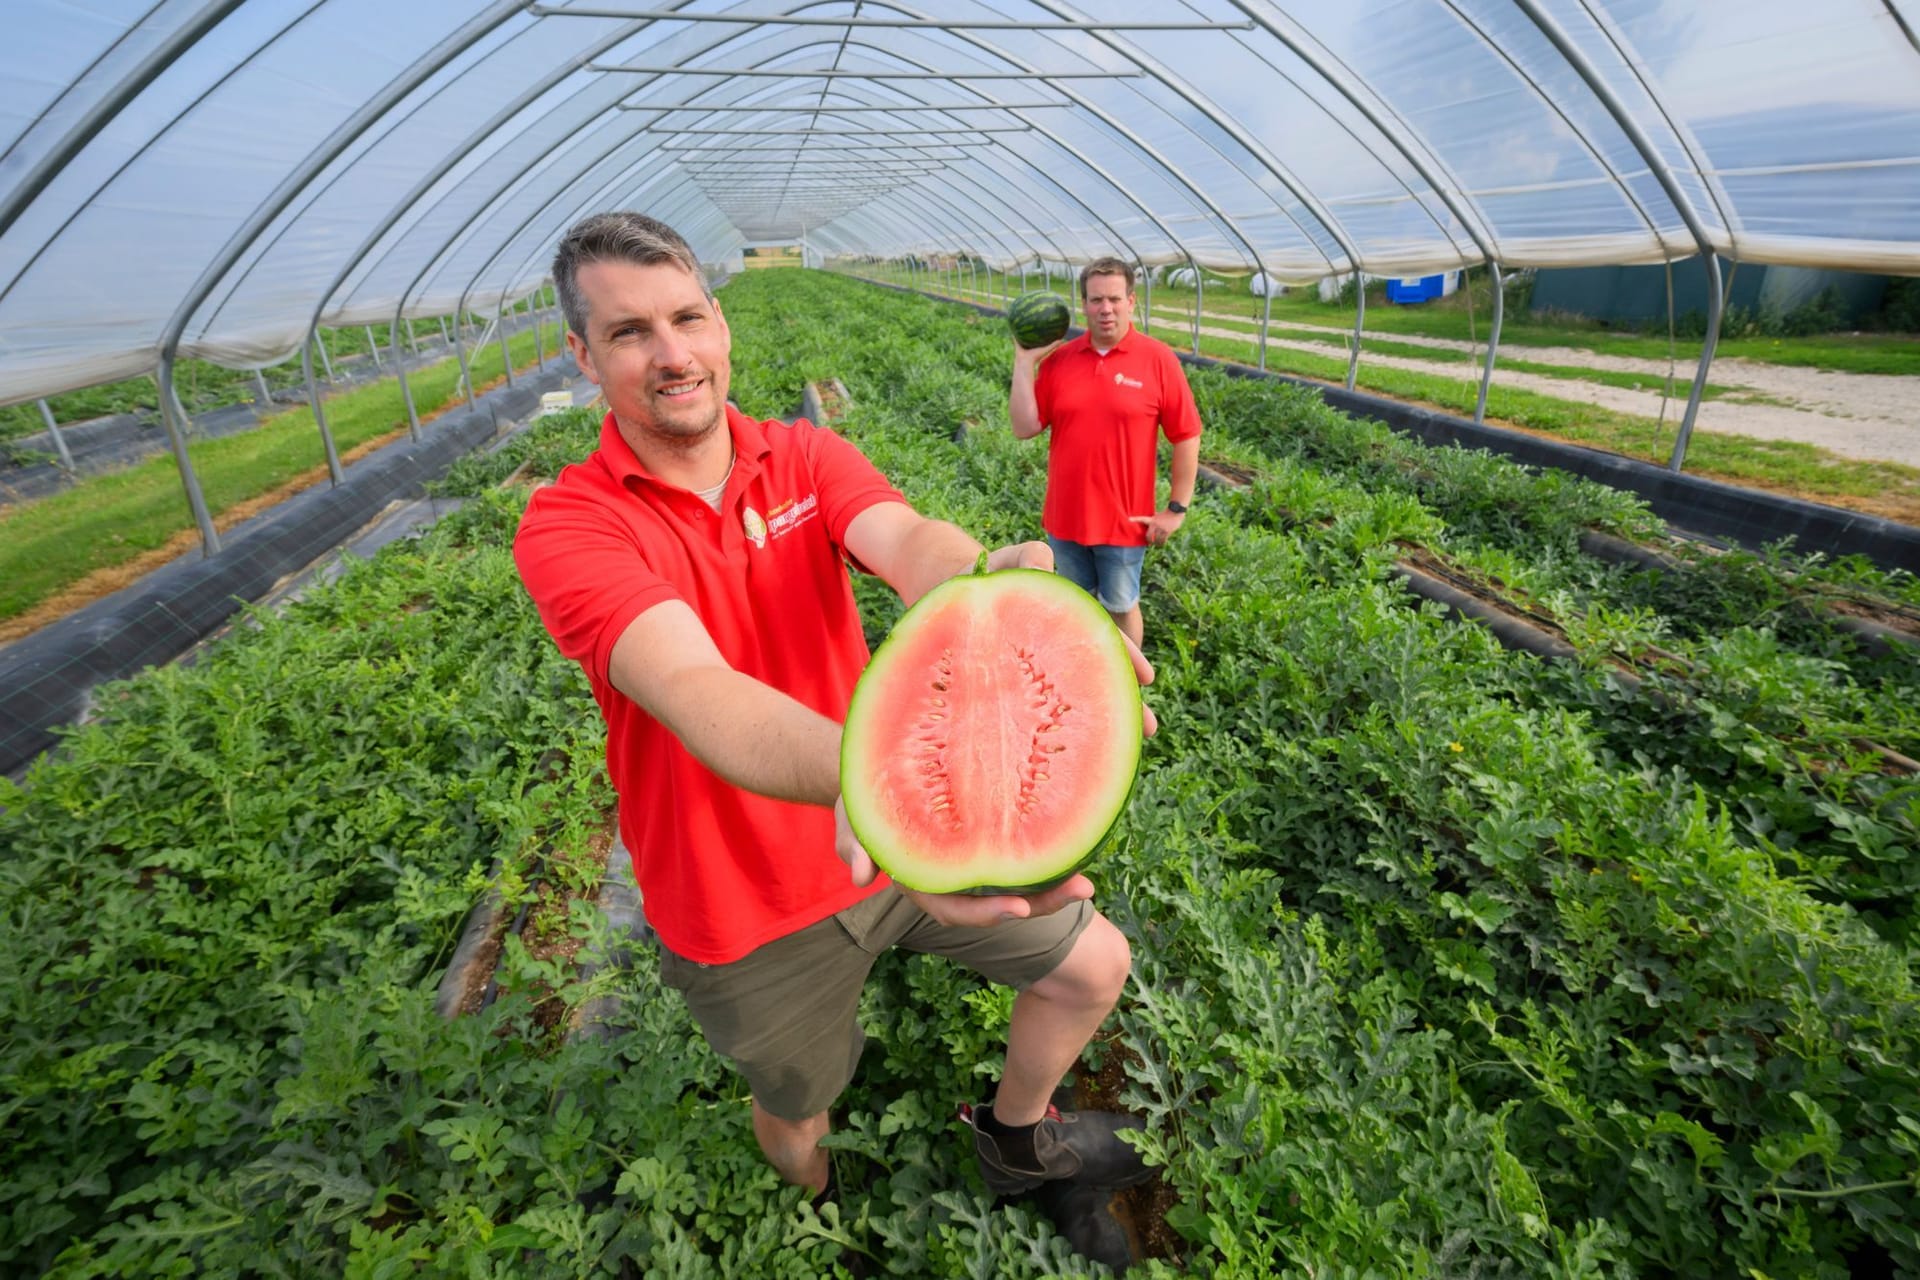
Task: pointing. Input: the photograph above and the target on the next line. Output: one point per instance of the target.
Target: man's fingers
(1142, 669)
(1149, 722)
(980, 913)
(1072, 890)
(1141, 519)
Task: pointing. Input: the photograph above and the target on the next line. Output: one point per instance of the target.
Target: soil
(1141, 1211)
(544, 932)
(1232, 472)
(833, 401)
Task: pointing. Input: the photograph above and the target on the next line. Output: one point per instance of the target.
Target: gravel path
(1870, 416)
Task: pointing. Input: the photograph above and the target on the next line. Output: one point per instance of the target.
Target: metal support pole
(1716, 306)
(1359, 321)
(373, 348)
(174, 418)
(261, 396)
(326, 361)
(1147, 326)
(1198, 294)
(1493, 341)
(400, 371)
(539, 339)
(460, 350)
(1266, 316)
(319, 415)
(59, 441)
(506, 355)
(443, 331)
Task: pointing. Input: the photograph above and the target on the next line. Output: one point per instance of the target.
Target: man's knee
(1096, 970)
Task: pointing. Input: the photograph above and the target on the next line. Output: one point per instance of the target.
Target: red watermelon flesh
(993, 740)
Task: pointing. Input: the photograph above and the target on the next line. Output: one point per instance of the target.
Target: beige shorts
(785, 1014)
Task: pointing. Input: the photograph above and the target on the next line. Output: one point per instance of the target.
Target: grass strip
(1784, 466)
(1887, 489)
(1895, 354)
(106, 520)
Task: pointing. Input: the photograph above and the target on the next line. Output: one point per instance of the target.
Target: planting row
(1427, 978)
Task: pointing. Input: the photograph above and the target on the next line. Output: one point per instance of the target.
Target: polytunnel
(214, 179)
(1514, 873)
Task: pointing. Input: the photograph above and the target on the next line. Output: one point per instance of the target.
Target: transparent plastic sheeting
(213, 177)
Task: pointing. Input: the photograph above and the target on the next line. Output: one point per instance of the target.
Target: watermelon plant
(1432, 974)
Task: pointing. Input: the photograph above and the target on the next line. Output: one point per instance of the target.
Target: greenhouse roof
(214, 177)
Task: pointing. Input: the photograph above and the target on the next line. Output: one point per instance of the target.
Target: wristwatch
(1178, 508)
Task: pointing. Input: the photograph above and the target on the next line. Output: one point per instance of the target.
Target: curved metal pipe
(96, 117)
(1577, 59)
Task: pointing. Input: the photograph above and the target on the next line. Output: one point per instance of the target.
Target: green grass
(1773, 464)
(1783, 466)
(107, 520)
(1370, 345)
(203, 386)
(1885, 353)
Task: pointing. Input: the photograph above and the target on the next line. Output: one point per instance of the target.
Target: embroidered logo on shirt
(1122, 380)
(790, 515)
(755, 527)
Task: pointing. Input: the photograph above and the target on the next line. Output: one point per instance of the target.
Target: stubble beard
(684, 430)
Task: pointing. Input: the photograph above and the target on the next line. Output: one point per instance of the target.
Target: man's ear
(582, 356)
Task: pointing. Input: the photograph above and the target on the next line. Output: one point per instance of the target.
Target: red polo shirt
(1103, 412)
(721, 870)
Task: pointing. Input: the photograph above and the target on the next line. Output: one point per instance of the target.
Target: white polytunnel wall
(213, 177)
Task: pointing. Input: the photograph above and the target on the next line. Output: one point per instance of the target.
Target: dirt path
(1874, 417)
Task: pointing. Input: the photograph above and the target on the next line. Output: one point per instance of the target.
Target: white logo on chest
(1122, 380)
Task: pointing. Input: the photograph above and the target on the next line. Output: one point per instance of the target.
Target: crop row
(1426, 980)
(1429, 977)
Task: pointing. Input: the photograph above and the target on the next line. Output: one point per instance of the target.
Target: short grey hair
(621, 236)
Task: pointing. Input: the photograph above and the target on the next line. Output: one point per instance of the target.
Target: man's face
(1109, 305)
(657, 347)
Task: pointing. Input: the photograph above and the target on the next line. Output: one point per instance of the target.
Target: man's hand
(958, 908)
(1026, 360)
(1021, 555)
(1160, 525)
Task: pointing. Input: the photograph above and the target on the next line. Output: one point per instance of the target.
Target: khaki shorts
(785, 1014)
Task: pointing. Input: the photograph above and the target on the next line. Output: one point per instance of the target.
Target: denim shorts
(1110, 575)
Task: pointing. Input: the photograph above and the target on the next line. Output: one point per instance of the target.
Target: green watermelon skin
(1038, 319)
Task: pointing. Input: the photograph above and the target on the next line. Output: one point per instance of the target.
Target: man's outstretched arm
(747, 732)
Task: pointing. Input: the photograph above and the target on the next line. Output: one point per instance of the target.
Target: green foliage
(1431, 977)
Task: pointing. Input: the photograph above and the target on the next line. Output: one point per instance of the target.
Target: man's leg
(1055, 1017)
(785, 1016)
(793, 1147)
(1118, 570)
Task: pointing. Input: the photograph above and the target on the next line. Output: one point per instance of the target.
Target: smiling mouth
(677, 390)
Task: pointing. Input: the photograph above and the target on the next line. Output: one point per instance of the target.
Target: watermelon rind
(1100, 813)
(1039, 318)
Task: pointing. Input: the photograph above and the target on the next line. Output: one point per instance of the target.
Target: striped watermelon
(1039, 318)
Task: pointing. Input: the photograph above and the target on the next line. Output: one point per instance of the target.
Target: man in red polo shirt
(1106, 395)
(695, 566)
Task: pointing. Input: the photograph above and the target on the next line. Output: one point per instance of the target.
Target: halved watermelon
(993, 740)
(1039, 318)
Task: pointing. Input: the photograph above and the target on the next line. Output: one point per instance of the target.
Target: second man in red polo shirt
(1106, 396)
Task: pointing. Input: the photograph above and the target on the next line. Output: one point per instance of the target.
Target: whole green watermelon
(1039, 318)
